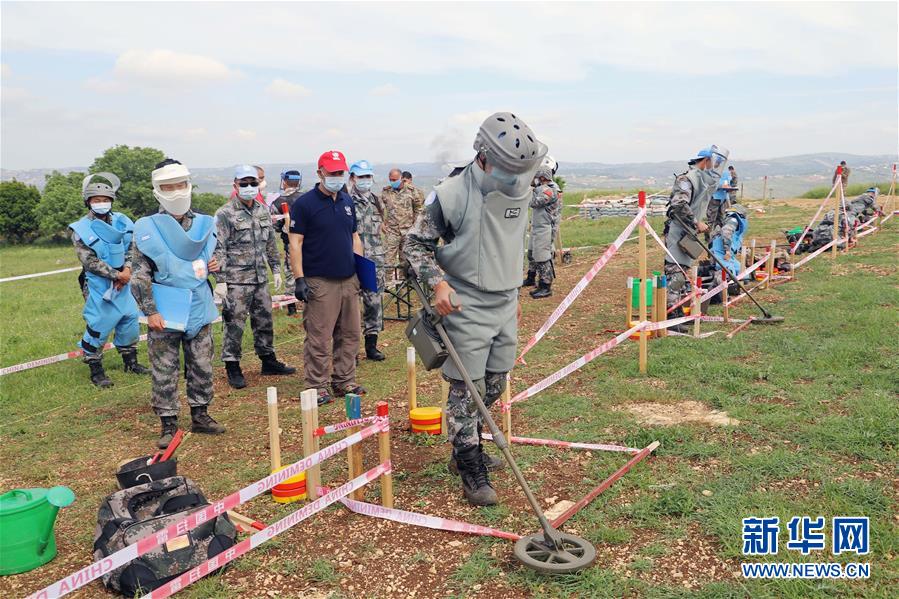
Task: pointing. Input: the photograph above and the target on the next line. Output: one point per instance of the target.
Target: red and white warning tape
(565, 444)
(814, 218)
(39, 274)
(866, 232)
(435, 522)
(267, 533)
(278, 301)
(151, 541)
(814, 254)
(342, 426)
(581, 285)
(53, 359)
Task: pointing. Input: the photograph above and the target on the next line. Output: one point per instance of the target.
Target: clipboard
(173, 304)
(367, 273)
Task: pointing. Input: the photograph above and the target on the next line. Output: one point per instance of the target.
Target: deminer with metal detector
(544, 221)
(173, 256)
(480, 213)
(687, 207)
(727, 243)
(102, 240)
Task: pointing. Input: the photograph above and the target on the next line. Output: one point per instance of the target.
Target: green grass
(853, 189)
(816, 398)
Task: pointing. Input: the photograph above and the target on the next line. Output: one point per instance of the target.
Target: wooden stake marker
(836, 213)
(274, 431)
(410, 378)
(384, 456)
(643, 279)
(444, 397)
(724, 296)
(696, 310)
(769, 266)
(309, 407)
(353, 406)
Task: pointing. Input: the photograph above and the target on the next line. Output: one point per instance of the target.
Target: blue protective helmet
(361, 168)
(292, 175)
(874, 190)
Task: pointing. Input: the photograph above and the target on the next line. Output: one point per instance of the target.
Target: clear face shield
(718, 160)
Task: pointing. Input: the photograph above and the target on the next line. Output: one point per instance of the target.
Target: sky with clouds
(216, 84)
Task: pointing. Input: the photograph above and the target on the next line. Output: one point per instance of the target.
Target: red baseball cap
(332, 161)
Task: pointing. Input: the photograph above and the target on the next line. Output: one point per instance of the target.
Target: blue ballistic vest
(180, 288)
(736, 243)
(721, 194)
(105, 306)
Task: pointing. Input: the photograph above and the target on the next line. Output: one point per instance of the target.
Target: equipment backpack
(135, 512)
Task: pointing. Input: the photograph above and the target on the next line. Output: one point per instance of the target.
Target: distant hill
(788, 176)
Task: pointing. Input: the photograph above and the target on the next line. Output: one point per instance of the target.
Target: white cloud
(15, 95)
(245, 134)
(166, 67)
(281, 88)
(102, 85)
(388, 89)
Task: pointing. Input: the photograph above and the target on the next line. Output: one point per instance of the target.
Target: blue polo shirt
(327, 227)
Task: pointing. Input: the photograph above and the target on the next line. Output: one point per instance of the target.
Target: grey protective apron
(699, 203)
(482, 263)
(541, 241)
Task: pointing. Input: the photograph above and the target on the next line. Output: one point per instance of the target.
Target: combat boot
(98, 375)
(235, 375)
(291, 309)
(475, 479)
(542, 290)
(271, 365)
(678, 328)
(371, 348)
(169, 428)
(530, 281)
(202, 422)
(131, 365)
(492, 463)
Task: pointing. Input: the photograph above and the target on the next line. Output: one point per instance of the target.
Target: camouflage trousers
(678, 286)
(393, 248)
(163, 349)
(714, 216)
(372, 314)
(288, 272)
(254, 301)
(462, 417)
(545, 272)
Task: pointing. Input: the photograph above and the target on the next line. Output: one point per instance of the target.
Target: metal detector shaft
(730, 275)
(498, 438)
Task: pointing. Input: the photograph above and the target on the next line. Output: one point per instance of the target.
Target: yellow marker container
(290, 490)
(426, 420)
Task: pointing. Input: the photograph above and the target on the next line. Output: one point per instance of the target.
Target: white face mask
(174, 202)
(248, 193)
(101, 208)
(364, 183)
(333, 184)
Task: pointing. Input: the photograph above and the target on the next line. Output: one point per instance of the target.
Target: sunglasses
(248, 184)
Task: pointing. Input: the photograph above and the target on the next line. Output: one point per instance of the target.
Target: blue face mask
(101, 208)
(333, 184)
(396, 184)
(504, 177)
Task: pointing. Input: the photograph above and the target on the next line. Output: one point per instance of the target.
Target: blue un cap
(243, 171)
(361, 168)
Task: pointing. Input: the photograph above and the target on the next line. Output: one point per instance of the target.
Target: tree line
(27, 213)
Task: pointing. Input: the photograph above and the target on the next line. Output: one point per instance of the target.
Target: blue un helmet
(361, 168)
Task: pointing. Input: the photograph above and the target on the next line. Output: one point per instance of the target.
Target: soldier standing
(172, 257)
(291, 183)
(541, 246)
(102, 240)
(369, 220)
(689, 202)
(246, 242)
(402, 203)
(734, 182)
(480, 213)
(844, 175)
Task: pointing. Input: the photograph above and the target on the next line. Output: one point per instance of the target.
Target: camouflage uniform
(465, 424)
(246, 244)
(369, 218)
(844, 176)
(163, 346)
(402, 207)
(544, 211)
(280, 226)
(732, 195)
(90, 262)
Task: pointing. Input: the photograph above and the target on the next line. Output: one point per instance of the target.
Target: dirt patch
(683, 412)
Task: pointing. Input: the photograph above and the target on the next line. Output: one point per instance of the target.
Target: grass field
(801, 419)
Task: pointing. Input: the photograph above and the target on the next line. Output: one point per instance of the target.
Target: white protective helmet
(509, 144)
(91, 190)
(175, 202)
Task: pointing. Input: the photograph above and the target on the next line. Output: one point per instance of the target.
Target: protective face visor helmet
(512, 151)
(91, 189)
(292, 179)
(177, 201)
(875, 191)
(718, 158)
(550, 163)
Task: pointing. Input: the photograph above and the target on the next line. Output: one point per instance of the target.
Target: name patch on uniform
(513, 212)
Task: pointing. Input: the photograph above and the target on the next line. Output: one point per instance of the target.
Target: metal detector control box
(426, 341)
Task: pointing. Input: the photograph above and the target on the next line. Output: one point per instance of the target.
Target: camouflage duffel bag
(135, 512)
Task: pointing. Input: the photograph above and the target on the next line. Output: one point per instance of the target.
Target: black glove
(301, 289)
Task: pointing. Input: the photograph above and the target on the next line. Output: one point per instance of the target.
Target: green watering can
(27, 517)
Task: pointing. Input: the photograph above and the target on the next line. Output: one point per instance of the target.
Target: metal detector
(767, 317)
(552, 551)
